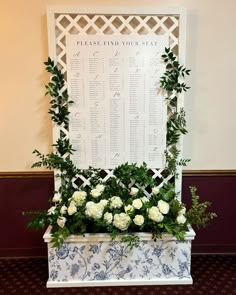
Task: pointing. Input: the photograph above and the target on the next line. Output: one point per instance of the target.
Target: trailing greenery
(119, 204)
(172, 83)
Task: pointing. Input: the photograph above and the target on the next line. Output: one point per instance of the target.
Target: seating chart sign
(119, 114)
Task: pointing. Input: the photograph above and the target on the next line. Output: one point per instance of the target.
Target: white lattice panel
(116, 21)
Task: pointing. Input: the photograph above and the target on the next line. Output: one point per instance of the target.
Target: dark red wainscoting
(220, 235)
(17, 195)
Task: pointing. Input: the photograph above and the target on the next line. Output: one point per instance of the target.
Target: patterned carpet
(212, 275)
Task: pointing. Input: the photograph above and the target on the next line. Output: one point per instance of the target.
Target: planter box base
(172, 281)
(96, 260)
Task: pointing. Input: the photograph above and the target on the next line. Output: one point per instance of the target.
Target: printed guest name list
(119, 114)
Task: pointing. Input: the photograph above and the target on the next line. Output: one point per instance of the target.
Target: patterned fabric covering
(115, 261)
(212, 274)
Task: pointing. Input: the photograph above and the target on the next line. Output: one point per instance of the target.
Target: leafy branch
(197, 214)
(58, 93)
(172, 83)
(126, 173)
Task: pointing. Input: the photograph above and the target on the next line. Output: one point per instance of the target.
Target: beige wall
(210, 104)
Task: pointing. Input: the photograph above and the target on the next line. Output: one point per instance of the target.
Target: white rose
(133, 191)
(155, 190)
(61, 221)
(116, 202)
(100, 187)
(63, 210)
(137, 203)
(56, 198)
(79, 197)
(155, 214)
(181, 219)
(129, 208)
(138, 220)
(108, 217)
(121, 221)
(72, 208)
(103, 202)
(95, 193)
(144, 199)
(51, 211)
(182, 211)
(163, 206)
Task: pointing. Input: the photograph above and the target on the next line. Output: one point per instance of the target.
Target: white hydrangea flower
(121, 221)
(181, 219)
(108, 217)
(89, 204)
(155, 214)
(79, 197)
(63, 210)
(61, 221)
(95, 193)
(138, 220)
(100, 187)
(129, 208)
(94, 210)
(51, 211)
(79, 194)
(144, 199)
(155, 190)
(72, 208)
(56, 198)
(116, 202)
(137, 203)
(103, 202)
(133, 191)
(163, 206)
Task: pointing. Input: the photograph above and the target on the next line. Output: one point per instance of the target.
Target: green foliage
(172, 83)
(197, 215)
(59, 236)
(176, 126)
(63, 147)
(131, 240)
(38, 222)
(57, 162)
(128, 173)
(59, 96)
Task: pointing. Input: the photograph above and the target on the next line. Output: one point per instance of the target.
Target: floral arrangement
(117, 207)
(131, 200)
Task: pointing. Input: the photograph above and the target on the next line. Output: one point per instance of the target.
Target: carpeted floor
(212, 274)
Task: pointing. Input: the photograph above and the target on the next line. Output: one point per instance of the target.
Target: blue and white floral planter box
(96, 260)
